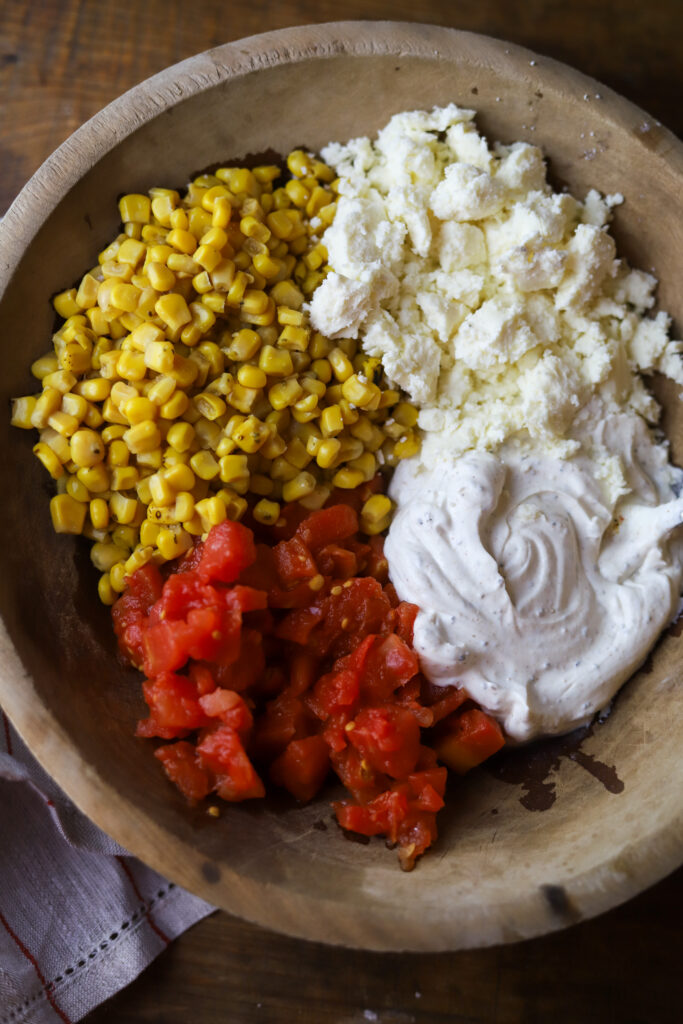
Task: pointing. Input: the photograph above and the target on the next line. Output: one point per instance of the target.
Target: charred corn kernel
(183, 509)
(123, 478)
(63, 423)
(331, 421)
(406, 446)
(104, 556)
(251, 377)
(302, 485)
(212, 511)
(235, 505)
(266, 512)
(123, 509)
(161, 278)
(142, 437)
(105, 591)
(204, 465)
(251, 434)
(182, 239)
(87, 448)
(99, 513)
(173, 310)
(180, 477)
(68, 515)
(118, 454)
(180, 436)
(141, 556)
(210, 406)
(275, 362)
(75, 358)
(161, 491)
(340, 363)
(149, 532)
(22, 410)
(135, 208)
(50, 460)
(347, 479)
(95, 478)
(175, 406)
(328, 452)
(66, 305)
(161, 515)
(172, 543)
(117, 577)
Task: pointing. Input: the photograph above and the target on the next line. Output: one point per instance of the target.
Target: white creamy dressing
(536, 594)
(536, 528)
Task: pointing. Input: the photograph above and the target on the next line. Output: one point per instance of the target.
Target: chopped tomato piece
(390, 664)
(388, 738)
(222, 753)
(294, 562)
(337, 562)
(180, 763)
(174, 703)
(467, 739)
(302, 767)
(230, 708)
(328, 526)
(227, 550)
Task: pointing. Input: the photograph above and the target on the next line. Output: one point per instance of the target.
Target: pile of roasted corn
(185, 375)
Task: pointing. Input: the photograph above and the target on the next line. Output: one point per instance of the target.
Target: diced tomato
(388, 738)
(304, 670)
(180, 763)
(293, 562)
(285, 718)
(227, 550)
(222, 753)
(467, 739)
(376, 563)
(302, 767)
(362, 781)
(339, 690)
(442, 700)
(390, 664)
(248, 668)
(337, 562)
(230, 708)
(202, 678)
(328, 526)
(174, 704)
(405, 621)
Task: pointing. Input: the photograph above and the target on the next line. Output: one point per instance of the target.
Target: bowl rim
(605, 886)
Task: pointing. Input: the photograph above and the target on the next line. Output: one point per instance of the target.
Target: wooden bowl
(503, 868)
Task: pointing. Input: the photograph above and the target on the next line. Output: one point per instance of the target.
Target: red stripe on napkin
(148, 914)
(46, 988)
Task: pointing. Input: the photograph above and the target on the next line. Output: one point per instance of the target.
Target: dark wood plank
(60, 62)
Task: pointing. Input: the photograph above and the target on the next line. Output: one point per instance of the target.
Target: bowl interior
(503, 868)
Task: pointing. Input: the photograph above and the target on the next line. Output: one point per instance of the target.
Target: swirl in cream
(537, 592)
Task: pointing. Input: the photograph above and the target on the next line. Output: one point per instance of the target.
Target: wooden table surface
(60, 62)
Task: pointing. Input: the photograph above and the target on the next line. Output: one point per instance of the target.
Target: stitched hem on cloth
(109, 944)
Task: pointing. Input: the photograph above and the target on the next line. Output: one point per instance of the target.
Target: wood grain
(59, 63)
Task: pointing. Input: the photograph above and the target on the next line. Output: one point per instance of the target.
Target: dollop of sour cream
(536, 592)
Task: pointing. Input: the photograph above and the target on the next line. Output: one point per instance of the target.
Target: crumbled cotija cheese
(498, 305)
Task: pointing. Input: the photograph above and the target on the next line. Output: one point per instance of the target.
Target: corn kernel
(172, 543)
(117, 577)
(348, 479)
(235, 505)
(180, 477)
(160, 277)
(266, 512)
(182, 239)
(149, 532)
(95, 478)
(122, 509)
(233, 467)
(160, 489)
(68, 515)
(87, 448)
(63, 423)
(105, 591)
(141, 556)
(210, 406)
(180, 436)
(142, 437)
(341, 366)
(302, 485)
(251, 434)
(172, 309)
(135, 208)
(50, 460)
(251, 377)
(204, 465)
(99, 513)
(123, 478)
(183, 509)
(105, 556)
(328, 452)
(331, 421)
(22, 410)
(212, 511)
(175, 406)
(65, 303)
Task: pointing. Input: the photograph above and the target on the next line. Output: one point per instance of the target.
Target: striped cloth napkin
(79, 917)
